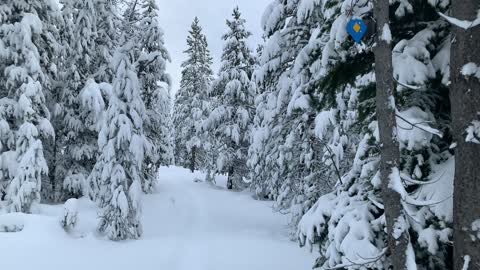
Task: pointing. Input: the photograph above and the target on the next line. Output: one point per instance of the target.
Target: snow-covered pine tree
(108, 25)
(47, 44)
(52, 190)
(284, 154)
(230, 120)
(7, 144)
(122, 145)
(7, 108)
(155, 89)
(26, 77)
(192, 102)
(353, 214)
(50, 47)
(81, 103)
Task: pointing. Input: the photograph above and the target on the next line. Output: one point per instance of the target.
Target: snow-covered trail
(187, 226)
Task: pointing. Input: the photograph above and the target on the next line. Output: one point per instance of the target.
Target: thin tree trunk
(53, 171)
(192, 161)
(230, 178)
(390, 151)
(465, 102)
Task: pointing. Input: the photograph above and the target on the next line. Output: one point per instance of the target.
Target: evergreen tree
(230, 120)
(192, 101)
(123, 144)
(27, 46)
(155, 89)
(345, 102)
(50, 47)
(285, 154)
(107, 24)
(79, 128)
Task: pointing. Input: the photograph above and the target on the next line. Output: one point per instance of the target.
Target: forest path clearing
(187, 226)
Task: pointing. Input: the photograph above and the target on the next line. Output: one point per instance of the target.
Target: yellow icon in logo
(356, 27)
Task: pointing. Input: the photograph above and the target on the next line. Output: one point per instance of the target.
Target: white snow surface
(187, 225)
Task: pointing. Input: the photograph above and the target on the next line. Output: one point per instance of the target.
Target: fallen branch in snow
(461, 23)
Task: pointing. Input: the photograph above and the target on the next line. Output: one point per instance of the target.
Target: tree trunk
(465, 102)
(230, 178)
(192, 162)
(390, 150)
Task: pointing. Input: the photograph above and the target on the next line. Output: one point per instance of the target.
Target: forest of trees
(85, 107)
(357, 143)
(370, 148)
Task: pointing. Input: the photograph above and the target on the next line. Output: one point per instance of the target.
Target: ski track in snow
(187, 226)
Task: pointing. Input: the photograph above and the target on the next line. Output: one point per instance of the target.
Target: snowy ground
(187, 225)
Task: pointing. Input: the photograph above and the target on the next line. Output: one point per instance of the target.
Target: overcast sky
(176, 17)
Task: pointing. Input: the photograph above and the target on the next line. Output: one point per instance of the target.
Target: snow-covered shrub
(70, 215)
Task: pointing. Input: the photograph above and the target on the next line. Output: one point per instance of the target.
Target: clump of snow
(386, 33)
(323, 120)
(414, 131)
(466, 262)
(430, 237)
(473, 132)
(92, 97)
(411, 60)
(74, 183)
(33, 22)
(476, 228)
(441, 191)
(305, 8)
(469, 69)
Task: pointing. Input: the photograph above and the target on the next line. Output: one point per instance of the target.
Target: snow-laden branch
(411, 201)
(422, 127)
(365, 262)
(376, 203)
(461, 23)
(411, 87)
(408, 179)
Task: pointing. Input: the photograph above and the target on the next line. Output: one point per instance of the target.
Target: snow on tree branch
(461, 23)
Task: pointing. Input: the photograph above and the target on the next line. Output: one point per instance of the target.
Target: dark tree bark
(192, 161)
(230, 178)
(465, 100)
(390, 150)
